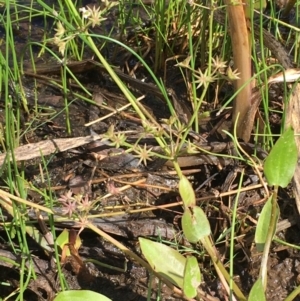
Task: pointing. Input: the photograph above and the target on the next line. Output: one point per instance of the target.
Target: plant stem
(293, 294)
(220, 268)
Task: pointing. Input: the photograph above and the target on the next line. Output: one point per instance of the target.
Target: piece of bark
(46, 147)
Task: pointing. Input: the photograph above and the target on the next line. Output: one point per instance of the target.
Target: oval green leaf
(263, 224)
(164, 260)
(280, 164)
(80, 295)
(192, 277)
(186, 192)
(195, 224)
(257, 291)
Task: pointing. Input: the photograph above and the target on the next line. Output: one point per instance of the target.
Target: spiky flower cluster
(74, 204)
(218, 70)
(90, 18)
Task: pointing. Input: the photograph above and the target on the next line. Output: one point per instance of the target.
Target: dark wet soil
(129, 187)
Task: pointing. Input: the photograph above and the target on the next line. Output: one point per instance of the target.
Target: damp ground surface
(98, 169)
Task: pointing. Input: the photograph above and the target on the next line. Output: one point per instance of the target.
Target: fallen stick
(46, 147)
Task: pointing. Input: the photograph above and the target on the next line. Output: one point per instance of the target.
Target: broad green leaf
(257, 291)
(192, 277)
(164, 260)
(80, 295)
(187, 192)
(281, 163)
(263, 224)
(195, 224)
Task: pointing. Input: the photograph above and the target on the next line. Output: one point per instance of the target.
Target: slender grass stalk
(193, 62)
(232, 234)
(261, 65)
(24, 282)
(149, 291)
(125, 13)
(159, 34)
(49, 203)
(208, 245)
(65, 93)
(293, 295)
(87, 38)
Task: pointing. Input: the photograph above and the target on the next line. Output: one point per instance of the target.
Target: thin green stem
(232, 234)
(207, 244)
(293, 295)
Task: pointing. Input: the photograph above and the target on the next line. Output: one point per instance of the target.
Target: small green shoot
(281, 163)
